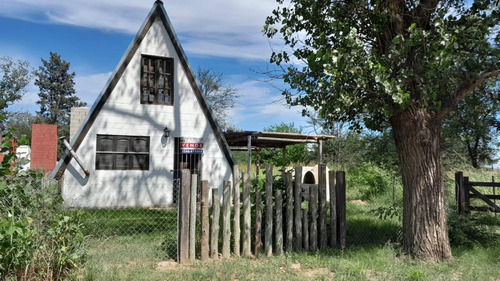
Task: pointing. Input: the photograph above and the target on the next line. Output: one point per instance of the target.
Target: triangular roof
(156, 12)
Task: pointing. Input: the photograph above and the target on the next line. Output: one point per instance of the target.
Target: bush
(39, 238)
(368, 181)
(465, 231)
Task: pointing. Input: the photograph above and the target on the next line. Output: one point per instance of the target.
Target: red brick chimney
(43, 147)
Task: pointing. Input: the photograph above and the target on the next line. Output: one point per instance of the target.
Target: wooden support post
(226, 220)
(249, 164)
(341, 204)
(313, 211)
(205, 223)
(192, 217)
(183, 220)
(297, 208)
(214, 233)
(320, 144)
(289, 212)
(246, 249)
(459, 192)
(284, 162)
(494, 192)
(323, 236)
(278, 249)
(333, 210)
(268, 239)
(236, 198)
(465, 190)
(258, 222)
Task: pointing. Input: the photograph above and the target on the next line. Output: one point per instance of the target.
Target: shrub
(368, 181)
(465, 231)
(39, 238)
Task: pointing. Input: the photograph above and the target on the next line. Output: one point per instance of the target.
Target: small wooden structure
(256, 140)
(466, 189)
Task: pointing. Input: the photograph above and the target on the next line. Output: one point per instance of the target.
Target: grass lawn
(372, 255)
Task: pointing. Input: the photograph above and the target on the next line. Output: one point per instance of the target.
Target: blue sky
(92, 35)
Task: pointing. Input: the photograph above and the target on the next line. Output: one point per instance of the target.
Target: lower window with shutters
(116, 152)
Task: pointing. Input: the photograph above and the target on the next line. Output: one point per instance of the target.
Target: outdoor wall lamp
(166, 132)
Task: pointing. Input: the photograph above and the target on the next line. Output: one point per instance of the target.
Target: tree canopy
(15, 76)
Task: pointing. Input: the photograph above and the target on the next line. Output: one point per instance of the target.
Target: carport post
(249, 167)
(320, 143)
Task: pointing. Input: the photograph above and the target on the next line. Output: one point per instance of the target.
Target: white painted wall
(123, 114)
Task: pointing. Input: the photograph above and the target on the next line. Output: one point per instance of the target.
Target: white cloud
(260, 106)
(220, 28)
(90, 86)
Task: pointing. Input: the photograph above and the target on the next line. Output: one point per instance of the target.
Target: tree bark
(417, 136)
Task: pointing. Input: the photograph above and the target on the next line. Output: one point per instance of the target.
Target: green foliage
(472, 129)
(393, 211)
(14, 77)
(367, 61)
(298, 153)
(465, 231)
(368, 181)
(220, 95)
(39, 238)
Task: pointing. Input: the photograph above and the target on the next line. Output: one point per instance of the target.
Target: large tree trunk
(417, 135)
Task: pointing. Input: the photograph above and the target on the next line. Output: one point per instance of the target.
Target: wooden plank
(484, 198)
(483, 209)
(289, 212)
(246, 247)
(268, 234)
(226, 220)
(313, 211)
(341, 209)
(192, 217)
(258, 222)
(214, 233)
(205, 222)
(278, 249)
(489, 196)
(297, 192)
(183, 221)
(323, 238)
(485, 184)
(333, 210)
(236, 198)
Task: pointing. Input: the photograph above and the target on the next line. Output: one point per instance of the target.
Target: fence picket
(183, 221)
(268, 242)
(214, 234)
(246, 249)
(313, 210)
(289, 212)
(236, 198)
(322, 207)
(226, 220)
(333, 210)
(298, 208)
(205, 224)
(278, 250)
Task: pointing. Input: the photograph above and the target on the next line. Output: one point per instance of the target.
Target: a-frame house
(149, 122)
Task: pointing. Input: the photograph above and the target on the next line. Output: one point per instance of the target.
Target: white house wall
(123, 114)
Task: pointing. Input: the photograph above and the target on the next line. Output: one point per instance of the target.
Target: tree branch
(458, 95)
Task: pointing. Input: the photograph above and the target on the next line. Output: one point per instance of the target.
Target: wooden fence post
(236, 198)
(305, 221)
(226, 220)
(298, 208)
(183, 220)
(192, 217)
(258, 221)
(279, 222)
(459, 192)
(333, 210)
(246, 249)
(289, 212)
(268, 239)
(214, 234)
(205, 224)
(341, 204)
(465, 190)
(323, 236)
(313, 210)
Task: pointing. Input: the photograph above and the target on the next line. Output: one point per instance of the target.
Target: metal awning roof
(270, 139)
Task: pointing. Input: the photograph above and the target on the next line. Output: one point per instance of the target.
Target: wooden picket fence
(296, 218)
(466, 189)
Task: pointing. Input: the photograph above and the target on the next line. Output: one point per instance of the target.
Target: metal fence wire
(150, 230)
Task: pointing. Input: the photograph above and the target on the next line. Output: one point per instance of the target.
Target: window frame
(131, 152)
(169, 70)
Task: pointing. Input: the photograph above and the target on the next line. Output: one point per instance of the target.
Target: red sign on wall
(191, 146)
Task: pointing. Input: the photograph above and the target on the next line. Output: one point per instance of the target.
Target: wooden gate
(466, 189)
